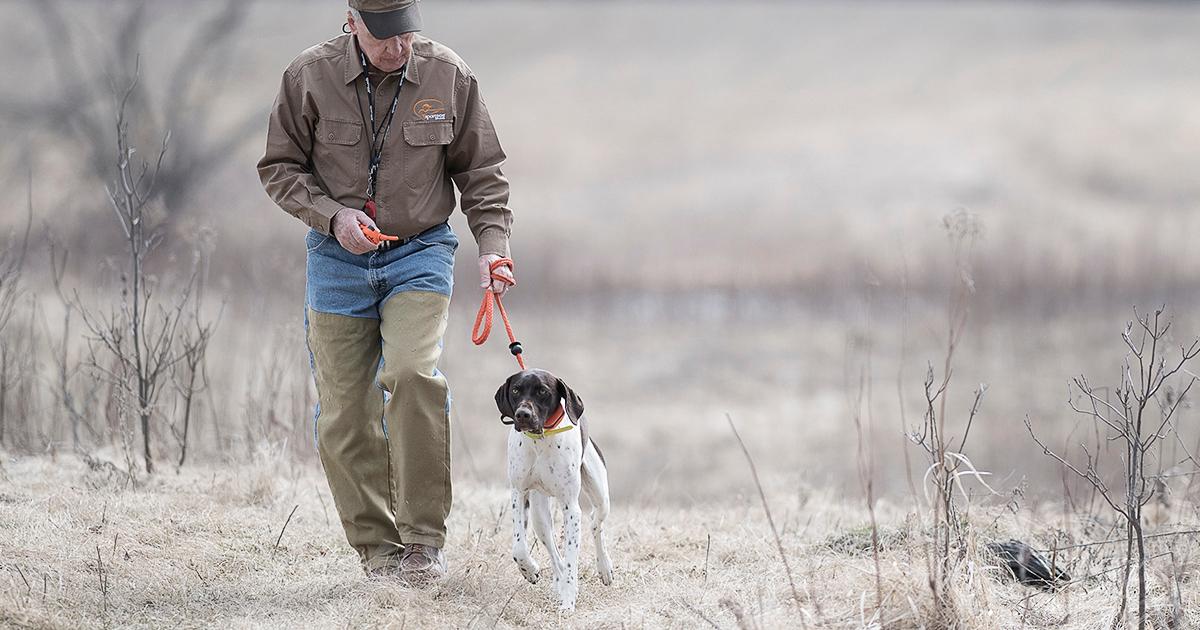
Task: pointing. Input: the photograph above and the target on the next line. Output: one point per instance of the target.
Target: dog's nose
(523, 415)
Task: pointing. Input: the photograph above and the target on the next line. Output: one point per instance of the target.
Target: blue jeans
(374, 326)
(356, 285)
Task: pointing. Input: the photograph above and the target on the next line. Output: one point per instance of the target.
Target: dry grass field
(207, 547)
(721, 208)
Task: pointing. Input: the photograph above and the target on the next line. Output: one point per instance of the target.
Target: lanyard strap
(378, 136)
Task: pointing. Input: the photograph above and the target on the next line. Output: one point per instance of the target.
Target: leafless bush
(137, 344)
(1143, 417)
(190, 375)
(945, 453)
(12, 261)
(74, 401)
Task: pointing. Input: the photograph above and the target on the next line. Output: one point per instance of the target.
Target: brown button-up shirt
(318, 149)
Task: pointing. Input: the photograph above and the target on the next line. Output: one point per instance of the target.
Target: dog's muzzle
(525, 420)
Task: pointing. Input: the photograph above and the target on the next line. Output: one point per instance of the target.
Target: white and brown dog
(552, 459)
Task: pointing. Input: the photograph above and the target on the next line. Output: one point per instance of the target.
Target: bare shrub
(190, 374)
(73, 400)
(1143, 417)
(945, 453)
(12, 262)
(136, 345)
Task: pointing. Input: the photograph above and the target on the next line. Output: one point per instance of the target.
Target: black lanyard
(378, 136)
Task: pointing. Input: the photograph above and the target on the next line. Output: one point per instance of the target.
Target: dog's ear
(571, 401)
(503, 402)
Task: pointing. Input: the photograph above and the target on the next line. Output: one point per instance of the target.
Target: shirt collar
(353, 65)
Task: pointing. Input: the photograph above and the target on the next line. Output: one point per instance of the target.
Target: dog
(549, 459)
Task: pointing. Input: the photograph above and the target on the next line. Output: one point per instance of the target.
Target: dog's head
(531, 396)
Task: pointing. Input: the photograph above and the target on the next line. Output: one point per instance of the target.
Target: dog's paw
(606, 577)
(530, 573)
(529, 569)
(566, 607)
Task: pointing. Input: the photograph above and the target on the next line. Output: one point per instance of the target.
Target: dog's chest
(550, 464)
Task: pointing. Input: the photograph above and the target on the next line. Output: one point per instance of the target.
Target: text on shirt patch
(430, 109)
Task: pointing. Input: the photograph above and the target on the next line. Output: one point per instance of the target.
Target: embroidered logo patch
(430, 109)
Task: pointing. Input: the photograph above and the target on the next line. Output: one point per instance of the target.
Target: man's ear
(503, 403)
(571, 401)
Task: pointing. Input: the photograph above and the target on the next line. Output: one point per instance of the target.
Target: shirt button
(331, 137)
(432, 137)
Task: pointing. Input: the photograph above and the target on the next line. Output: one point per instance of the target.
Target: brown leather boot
(421, 565)
(384, 565)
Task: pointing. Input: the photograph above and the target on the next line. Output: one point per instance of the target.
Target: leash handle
(491, 301)
(376, 236)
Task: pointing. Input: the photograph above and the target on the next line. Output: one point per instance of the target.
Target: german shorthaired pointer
(549, 459)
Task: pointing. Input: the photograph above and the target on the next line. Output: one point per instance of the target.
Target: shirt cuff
(493, 240)
(320, 217)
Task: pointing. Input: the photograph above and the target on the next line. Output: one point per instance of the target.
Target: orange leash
(478, 335)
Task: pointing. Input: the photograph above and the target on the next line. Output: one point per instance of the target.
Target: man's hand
(485, 275)
(349, 234)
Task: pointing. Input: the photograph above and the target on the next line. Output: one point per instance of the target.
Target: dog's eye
(543, 392)
(516, 391)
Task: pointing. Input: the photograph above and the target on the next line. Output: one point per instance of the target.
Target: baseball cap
(389, 18)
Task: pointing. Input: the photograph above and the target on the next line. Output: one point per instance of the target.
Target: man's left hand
(485, 275)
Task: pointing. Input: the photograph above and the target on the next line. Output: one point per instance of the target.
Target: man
(370, 129)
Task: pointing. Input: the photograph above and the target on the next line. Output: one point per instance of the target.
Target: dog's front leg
(543, 527)
(572, 536)
(520, 550)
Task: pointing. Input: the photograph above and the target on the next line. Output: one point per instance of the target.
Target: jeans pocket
(314, 240)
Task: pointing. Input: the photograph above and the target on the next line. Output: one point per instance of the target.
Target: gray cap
(388, 18)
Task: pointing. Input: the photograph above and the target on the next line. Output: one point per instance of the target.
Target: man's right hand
(348, 233)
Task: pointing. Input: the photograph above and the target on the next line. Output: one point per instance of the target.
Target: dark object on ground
(1028, 566)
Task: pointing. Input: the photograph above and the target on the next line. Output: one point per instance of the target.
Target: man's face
(390, 54)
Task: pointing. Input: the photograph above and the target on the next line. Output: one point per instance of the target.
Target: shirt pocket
(337, 151)
(425, 150)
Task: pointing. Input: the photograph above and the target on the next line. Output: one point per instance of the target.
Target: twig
(767, 509)
(103, 581)
(1109, 570)
(503, 608)
(28, 588)
(707, 548)
(197, 572)
(1117, 540)
(699, 613)
(284, 528)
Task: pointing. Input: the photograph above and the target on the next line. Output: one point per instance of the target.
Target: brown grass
(683, 252)
(83, 549)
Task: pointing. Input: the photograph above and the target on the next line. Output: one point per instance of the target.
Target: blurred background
(768, 210)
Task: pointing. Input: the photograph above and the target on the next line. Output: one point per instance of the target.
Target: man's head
(384, 29)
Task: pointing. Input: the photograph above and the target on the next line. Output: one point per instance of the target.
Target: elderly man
(370, 129)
